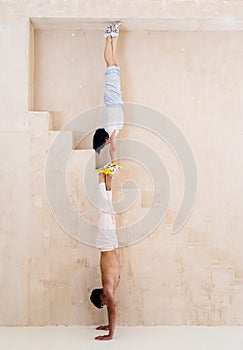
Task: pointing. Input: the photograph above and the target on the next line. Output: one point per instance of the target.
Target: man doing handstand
(106, 242)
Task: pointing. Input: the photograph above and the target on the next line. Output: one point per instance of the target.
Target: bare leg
(114, 44)
(110, 59)
(108, 180)
(101, 178)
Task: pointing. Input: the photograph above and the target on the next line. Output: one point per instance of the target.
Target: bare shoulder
(113, 136)
(109, 293)
(108, 290)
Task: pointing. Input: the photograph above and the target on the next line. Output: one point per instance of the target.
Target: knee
(110, 60)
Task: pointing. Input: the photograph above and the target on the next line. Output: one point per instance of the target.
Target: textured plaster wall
(193, 77)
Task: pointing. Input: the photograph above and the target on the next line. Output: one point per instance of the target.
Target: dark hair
(95, 297)
(99, 138)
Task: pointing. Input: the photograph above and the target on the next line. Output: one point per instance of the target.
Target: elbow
(113, 149)
(113, 154)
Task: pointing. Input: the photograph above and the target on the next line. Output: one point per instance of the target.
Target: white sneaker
(108, 30)
(115, 28)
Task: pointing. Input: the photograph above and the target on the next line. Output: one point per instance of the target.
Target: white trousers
(106, 238)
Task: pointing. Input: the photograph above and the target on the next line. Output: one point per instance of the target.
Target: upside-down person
(112, 98)
(107, 243)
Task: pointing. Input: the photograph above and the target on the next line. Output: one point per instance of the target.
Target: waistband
(112, 68)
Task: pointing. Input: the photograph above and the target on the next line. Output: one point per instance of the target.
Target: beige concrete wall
(193, 77)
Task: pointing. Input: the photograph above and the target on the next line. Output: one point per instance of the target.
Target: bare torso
(110, 269)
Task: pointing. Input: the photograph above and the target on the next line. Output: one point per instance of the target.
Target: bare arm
(111, 312)
(113, 147)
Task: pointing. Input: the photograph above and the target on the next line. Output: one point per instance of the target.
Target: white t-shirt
(115, 119)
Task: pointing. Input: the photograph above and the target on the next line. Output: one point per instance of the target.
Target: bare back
(110, 269)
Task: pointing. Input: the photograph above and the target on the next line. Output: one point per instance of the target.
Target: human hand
(103, 337)
(102, 328)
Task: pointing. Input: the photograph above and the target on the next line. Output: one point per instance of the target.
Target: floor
(81, 338)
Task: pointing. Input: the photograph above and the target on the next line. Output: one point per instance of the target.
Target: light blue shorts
(113, 94)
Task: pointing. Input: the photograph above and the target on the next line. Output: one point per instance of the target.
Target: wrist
(111, 334)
